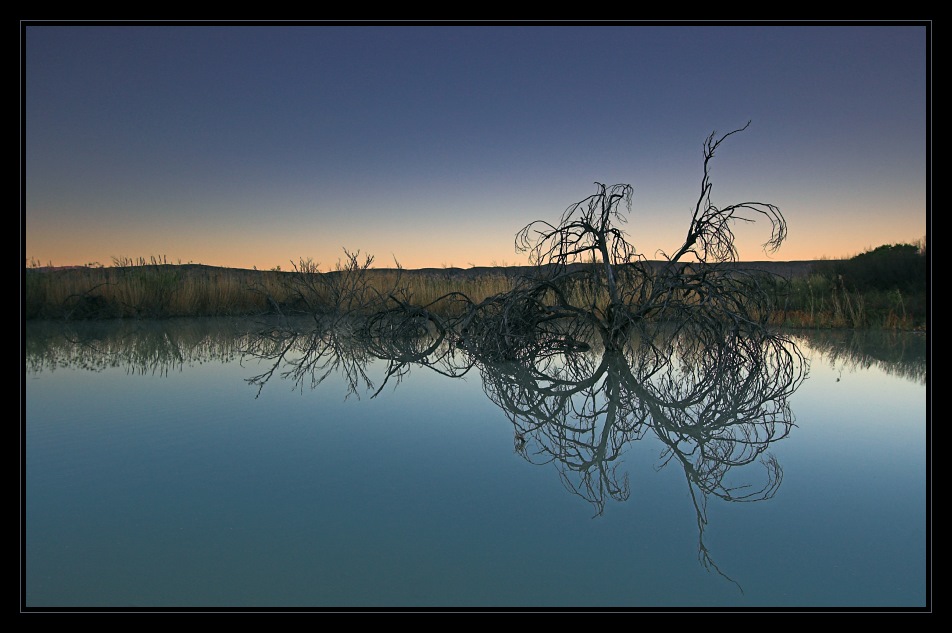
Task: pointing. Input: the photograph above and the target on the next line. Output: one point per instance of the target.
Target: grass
(160, 290)
(153, 288)
(818, 301)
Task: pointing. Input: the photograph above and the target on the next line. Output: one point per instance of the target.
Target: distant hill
(788, 270)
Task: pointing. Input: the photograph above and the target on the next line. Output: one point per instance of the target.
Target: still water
(177, 465)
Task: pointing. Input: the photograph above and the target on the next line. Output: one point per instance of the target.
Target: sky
(258, 145)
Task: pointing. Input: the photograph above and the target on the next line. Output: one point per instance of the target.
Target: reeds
(153, 288)
(821, 301)
(151, 291)
(160, 290)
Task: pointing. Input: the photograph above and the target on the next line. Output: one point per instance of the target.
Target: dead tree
(710, 236)
(590, 277)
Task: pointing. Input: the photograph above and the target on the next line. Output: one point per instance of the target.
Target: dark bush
(888, 267)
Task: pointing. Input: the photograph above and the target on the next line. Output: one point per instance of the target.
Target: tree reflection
(348, 347)
(714, 407)
(715, 399)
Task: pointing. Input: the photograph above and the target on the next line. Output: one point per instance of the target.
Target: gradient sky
(255, 145)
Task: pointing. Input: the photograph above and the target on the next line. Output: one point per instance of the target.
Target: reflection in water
(715, 405)
(309, 356)
(895, 353)
(713, 408)
(140, 347)
(160, 346)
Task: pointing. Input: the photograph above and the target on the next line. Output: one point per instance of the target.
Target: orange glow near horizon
(459, 241)
(62, 252)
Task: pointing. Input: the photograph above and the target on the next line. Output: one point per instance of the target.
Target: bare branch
(710, 236)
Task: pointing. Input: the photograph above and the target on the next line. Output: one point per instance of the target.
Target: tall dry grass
(155, 289)
(821, 301)
(159, 290)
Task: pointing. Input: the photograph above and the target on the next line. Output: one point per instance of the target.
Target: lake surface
(186, 464)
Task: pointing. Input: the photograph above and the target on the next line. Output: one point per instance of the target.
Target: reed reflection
(157, 347)
(899, 354)
(147, 347)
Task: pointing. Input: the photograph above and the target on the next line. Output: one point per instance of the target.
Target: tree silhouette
(590, 278)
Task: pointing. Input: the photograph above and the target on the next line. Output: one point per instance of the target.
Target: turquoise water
(156, 476)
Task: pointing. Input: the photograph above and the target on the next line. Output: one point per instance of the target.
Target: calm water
(159, 474)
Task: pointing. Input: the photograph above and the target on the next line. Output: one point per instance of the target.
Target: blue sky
(257, 145)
